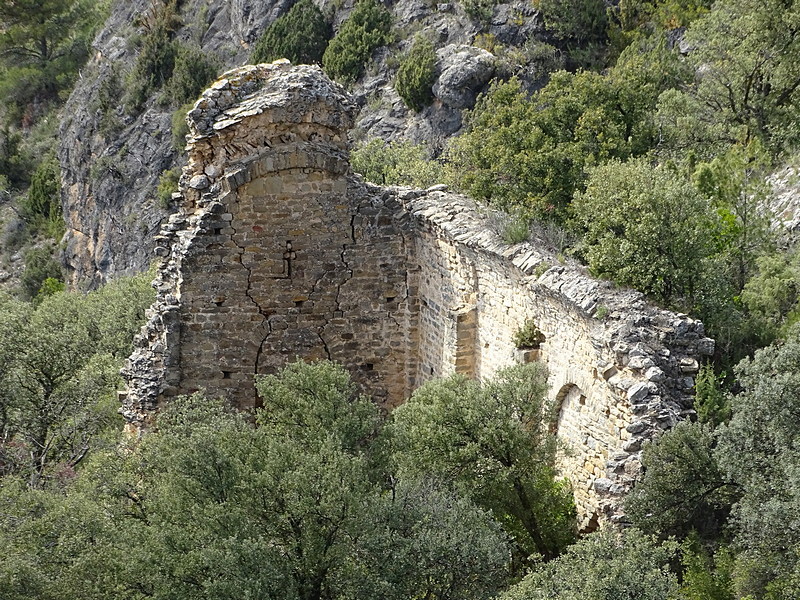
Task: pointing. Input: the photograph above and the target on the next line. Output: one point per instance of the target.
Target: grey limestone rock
(464, 72)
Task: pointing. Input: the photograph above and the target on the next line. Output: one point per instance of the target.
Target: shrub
(417, 74)
(180, 128)
(479, 10)
(301, 35)
(156, 59)
(41, 207)
(529, 336)
(662, 252)
(367, 28)
(576, 21)
(39, 266)
(396, 163)
(193, 71)
(167, 184)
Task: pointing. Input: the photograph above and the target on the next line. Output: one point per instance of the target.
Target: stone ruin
(280, 252)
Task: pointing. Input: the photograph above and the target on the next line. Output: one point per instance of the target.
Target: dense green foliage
(608, 565)
(575, 21)
(734, 487)
(533, 153)
(491, 444)
(301, 35)
(164, 63)
(41, 207)
(60, 363)
(366, 29)
(396, 163)
(646, 227)
(39, 267)
(417, 74)
(307, 505)
(43, 44)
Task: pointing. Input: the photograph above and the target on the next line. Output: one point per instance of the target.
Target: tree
(43, 43)
(58, 387)
(366, 29)
(735, 181)
(746, 52)
(759, 450)
(607, 565)
(209, 506)
(683, 488)
(491, 444)
(301, 35)
(532, 154)
(417, 74)
(646, 227)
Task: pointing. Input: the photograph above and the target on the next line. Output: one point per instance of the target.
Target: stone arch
(569, 399)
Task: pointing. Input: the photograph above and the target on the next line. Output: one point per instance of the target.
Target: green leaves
(366, 29)
(645, 227)
(301, 35)
(417, 74)
(491, 444)
(607, 565)
(60, 372)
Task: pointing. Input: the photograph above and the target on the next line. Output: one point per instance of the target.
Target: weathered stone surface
(286, 254)
(112, 156)
(464, 71)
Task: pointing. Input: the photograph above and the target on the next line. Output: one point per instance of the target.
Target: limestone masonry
(279, 251)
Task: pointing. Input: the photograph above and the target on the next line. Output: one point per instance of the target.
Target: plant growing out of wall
(529, 336)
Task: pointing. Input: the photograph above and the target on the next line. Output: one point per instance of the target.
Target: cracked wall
(279, 252)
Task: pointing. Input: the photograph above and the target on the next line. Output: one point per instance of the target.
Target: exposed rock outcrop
(112, 158)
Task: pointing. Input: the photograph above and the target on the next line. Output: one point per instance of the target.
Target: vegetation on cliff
(651, 150)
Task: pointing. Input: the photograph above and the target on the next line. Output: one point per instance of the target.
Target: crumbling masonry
(279, 251)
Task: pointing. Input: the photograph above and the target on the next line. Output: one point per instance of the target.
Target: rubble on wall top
(253, 89)
(465, 222)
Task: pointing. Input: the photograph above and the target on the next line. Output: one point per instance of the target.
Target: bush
(417, 74)
(167, 185)
(529, 336)
(301, 35)
(608, 565)
(192, 72)
(479, 10)
(41, 207)
(396, 163)
(156, 59)
(39, 266)
(576, 21)
(661, 252)
(367, 28)
(180, 128)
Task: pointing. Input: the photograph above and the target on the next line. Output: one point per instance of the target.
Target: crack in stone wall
(280, 253)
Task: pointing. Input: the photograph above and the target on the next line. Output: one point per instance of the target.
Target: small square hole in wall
(367, 367)
(226, 374)
(298, 303)
(217, 230)
(431, 370)
(218, 303)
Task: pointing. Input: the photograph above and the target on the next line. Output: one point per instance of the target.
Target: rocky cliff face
(112, 160)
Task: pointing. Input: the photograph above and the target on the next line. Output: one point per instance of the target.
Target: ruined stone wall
(621, 371)
(279, 252)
